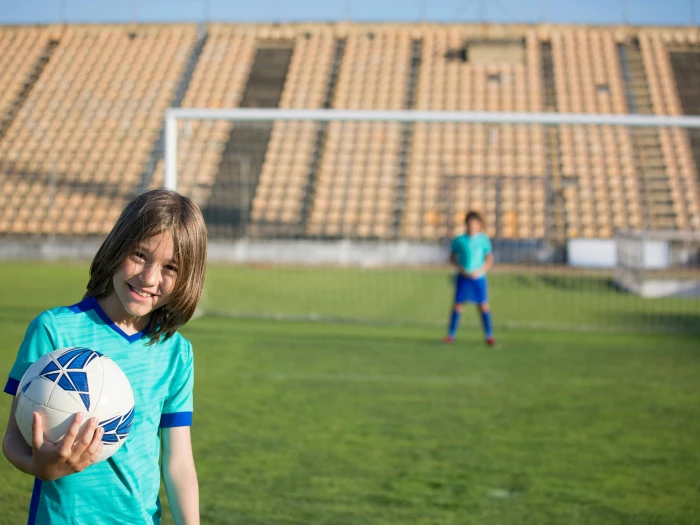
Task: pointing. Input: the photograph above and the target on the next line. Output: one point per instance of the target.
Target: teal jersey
(472, 250)
(124, 488)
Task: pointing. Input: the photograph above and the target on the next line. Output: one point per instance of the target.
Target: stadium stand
(218, 81)
(81, 120)
(357, 179)
(463, 166)
(606, 195)
(77, 148)
(284, 182)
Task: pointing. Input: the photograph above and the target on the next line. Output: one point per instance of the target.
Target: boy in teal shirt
(472, 255)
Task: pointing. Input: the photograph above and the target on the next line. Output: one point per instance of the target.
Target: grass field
(300, 422)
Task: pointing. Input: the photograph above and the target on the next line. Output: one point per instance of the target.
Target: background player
(145, 282)
(472, 254)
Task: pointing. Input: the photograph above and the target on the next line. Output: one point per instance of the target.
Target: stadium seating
(284, 179)
(456, 167)
(601, 159)
(20, 50)
(357, 179)
(680, 165)
(218, 81)
(76, 150)
(81, 114)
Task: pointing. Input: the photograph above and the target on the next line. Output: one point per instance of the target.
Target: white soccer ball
(71, 380)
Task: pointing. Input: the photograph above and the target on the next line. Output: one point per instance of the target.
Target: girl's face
(146, 279)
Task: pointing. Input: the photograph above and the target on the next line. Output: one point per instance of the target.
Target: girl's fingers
(96, 444)
(37, 432)
(66, 448)
(83, 442)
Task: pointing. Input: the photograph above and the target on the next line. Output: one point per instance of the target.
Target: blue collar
(90, 303)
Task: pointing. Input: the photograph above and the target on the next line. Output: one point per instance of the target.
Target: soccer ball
(71, 380)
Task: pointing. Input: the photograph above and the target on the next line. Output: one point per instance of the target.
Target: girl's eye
(138, 256)
(171, 268)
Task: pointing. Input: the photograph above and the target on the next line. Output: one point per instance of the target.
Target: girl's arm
(49, 461)
(180, 476)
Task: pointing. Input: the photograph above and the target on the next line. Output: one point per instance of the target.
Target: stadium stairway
(159, 147)
(686, 69)
(407, 135)
(227, 210)
(554, 170)
(6, 120)
(646, 143)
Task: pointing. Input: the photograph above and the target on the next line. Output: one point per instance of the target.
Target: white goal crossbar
(172, 115)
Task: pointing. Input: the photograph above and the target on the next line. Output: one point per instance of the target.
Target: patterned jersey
(124, 488)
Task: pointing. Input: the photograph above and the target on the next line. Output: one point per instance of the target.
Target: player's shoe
(491, 341)
(448, 340)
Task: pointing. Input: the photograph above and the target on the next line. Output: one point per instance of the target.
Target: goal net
(348, 215)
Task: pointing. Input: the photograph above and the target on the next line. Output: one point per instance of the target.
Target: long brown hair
(157, 211)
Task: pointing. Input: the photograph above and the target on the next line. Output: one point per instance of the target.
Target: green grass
(300, 422)
(574, 300)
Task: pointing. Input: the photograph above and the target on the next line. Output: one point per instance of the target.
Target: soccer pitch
(339, 423)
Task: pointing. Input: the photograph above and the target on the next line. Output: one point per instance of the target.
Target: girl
(145, 282)
(472, 255)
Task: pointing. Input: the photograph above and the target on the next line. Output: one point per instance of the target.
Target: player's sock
(454, 323)
(486, 322)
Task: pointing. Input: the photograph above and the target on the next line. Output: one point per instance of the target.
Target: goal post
(347, 214)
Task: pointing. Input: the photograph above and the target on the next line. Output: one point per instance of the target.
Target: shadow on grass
(576, 283)
(685, 324)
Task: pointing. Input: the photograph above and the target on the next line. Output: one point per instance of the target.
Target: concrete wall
(301, 252)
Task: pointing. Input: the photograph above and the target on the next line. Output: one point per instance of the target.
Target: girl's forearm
(182, 488)
(15, 447)
(17, 451)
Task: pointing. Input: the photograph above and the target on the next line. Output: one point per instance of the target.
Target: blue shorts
(471, 290)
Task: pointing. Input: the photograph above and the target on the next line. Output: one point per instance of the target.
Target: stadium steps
(658, 198)
(159, 147)
(552, 143)
(321, 135)
(407, 135)
(686, 69)
(6, 120)
(227, 210)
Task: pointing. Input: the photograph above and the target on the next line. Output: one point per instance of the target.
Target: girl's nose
(149, 275)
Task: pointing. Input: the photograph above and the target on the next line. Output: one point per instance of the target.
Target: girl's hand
(477, 274)
(73, 453)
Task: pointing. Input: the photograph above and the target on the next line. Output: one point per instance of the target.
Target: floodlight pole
(170, 176)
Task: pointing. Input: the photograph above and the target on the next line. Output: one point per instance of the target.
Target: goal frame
(172, 115)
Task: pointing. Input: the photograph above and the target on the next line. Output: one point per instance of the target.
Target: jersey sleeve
(487, 245)
(454, 247)
(40, 339)
(177, 409)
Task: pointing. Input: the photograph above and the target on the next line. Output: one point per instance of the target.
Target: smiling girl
(145, 282)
